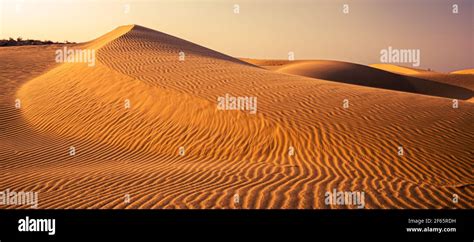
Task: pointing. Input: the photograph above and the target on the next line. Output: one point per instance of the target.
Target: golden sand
(174, 149)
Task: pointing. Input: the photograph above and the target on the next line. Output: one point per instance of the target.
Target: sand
(382, 76)
(400, 69)
(462, 78)
(135, 153)
(467, 71)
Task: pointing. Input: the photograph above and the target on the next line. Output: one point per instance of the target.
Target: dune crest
(110, 36)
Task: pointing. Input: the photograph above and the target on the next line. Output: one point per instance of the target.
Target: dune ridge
(173, 104)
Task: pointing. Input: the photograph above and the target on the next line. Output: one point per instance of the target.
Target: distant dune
(467, 71)
(366, 76)
(135, 152)
(399, 69)
(462, 78)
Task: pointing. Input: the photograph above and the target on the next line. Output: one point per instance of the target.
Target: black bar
(355, 225)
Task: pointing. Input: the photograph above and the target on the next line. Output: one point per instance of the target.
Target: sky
(266, 29)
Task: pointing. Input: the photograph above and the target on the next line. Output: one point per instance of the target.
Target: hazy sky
(312, 29)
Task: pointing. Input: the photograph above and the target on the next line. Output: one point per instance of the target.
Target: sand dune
(400, 69)
(467, 71)
(173, 104)
(462, 78)
(367, 76)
